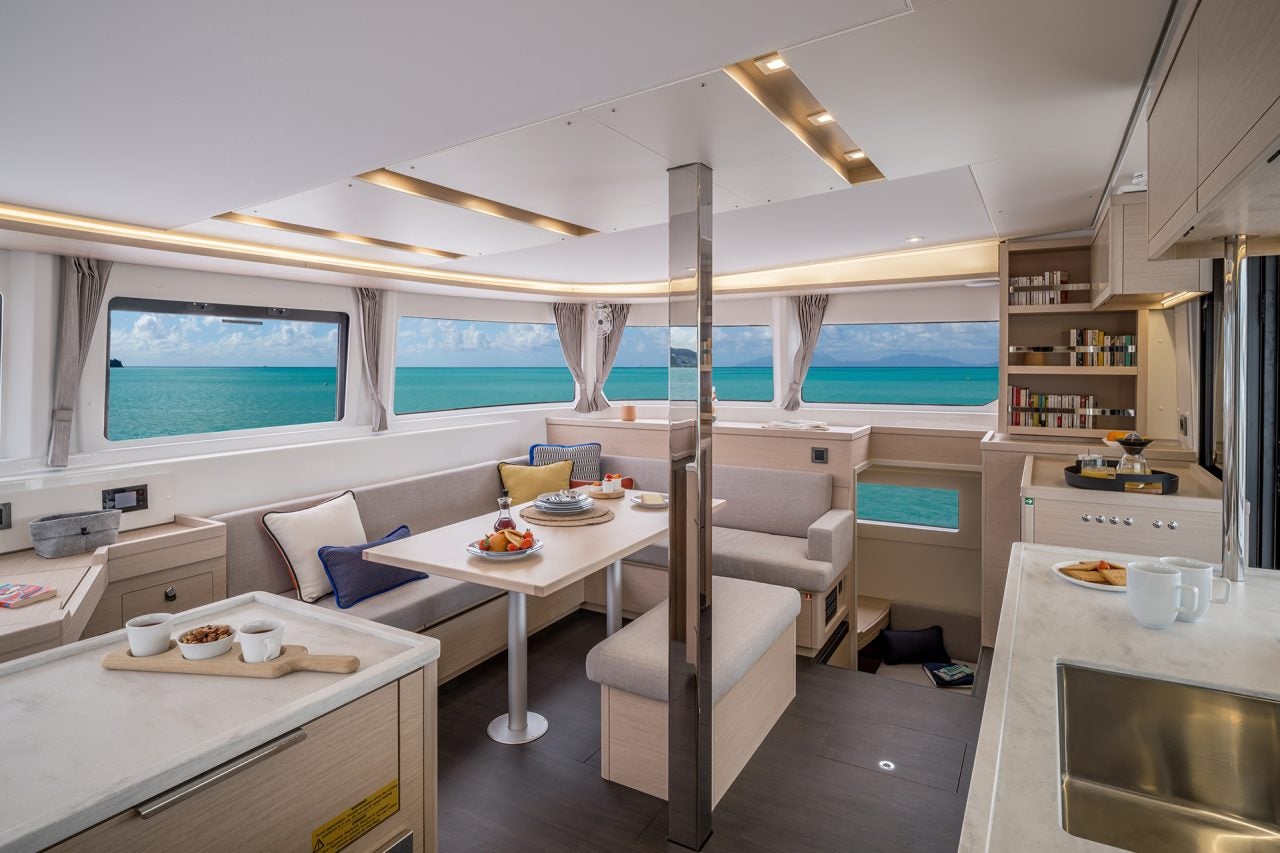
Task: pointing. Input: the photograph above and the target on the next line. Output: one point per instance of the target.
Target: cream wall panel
(931, 576)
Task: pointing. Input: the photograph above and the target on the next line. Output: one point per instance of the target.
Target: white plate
(504, 555)
(1057, 570)
(635, 499)
(564, 510)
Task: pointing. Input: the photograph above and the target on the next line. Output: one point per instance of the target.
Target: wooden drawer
(194, 591)
(1181, 534)
(276, 803)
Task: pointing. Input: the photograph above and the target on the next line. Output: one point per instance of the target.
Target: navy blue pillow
(354, 578)
(923, 646)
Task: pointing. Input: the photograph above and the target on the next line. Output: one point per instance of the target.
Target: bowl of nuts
(207, 641)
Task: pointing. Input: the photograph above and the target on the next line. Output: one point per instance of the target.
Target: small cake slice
(652, 499)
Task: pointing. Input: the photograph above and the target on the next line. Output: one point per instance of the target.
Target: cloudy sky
(423, 342)
(146, 339)
(644, 346)
(972, 343)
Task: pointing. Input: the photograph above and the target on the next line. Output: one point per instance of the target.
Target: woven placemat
(595, 515)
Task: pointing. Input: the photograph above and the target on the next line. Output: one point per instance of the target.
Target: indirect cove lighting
(771, 63)
(358, 239)
(855, 154)
(821, 118)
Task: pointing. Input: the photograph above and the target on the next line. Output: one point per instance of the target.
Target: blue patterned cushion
(354, 578)
(585, 458)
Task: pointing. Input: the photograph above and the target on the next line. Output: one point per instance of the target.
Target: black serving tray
(1155, 483)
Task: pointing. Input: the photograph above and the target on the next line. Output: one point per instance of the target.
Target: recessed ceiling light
(915, 238)
(855, 154)
(821, 118)
(771, 63)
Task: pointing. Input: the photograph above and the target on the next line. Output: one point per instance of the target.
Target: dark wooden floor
(814, 784)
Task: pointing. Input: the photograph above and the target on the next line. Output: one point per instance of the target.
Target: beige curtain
(84, 281)
(370, 301)
(569, 320)
(810, 310)
(606, 354)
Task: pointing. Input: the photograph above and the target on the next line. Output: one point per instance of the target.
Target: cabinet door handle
(176, 795)
(170, 594)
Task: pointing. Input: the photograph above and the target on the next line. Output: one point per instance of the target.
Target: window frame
(951, 407)
(427, 413)
(773, 366)
(248, 312)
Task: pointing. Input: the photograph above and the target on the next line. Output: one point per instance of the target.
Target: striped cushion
(585, 458)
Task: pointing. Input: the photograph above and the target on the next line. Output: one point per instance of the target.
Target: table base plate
(536, 728)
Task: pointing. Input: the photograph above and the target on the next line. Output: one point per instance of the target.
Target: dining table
(566, 555)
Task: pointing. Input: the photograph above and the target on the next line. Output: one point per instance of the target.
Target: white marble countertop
(86, 743)
(1014, 790)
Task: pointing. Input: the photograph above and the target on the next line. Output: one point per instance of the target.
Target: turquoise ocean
(147, 402)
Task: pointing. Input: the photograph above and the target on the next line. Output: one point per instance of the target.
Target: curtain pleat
(606, 354)
(84, 282)
(810, 309)
(370, 300)
(569, 319)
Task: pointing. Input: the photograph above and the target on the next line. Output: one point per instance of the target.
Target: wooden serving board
(291, 659)
(600, 494)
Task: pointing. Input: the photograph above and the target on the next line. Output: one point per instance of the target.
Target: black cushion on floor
(923, 646)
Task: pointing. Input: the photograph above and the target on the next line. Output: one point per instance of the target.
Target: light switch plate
(818, 455)
(126, 498)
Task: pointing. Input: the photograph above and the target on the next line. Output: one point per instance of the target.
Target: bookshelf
(1080, 387)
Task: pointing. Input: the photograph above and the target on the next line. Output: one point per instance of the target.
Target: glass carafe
(504, 521)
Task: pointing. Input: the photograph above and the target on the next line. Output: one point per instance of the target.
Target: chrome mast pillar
(1235, 366)
(689, 579)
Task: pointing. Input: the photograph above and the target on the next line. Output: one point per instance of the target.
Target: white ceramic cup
(1199, 574)
(1155, 594)
(261, 640)
(149, 634)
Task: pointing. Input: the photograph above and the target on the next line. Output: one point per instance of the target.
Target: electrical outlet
(1183, 425)
(126, 498)
(6, 516)
(818, 455)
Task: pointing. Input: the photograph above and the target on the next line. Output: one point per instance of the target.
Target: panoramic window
(181, 368)
(913, 505)
(932, 364)
(743, 357)
(465, 364)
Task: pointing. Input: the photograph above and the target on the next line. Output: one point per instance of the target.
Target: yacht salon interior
(840, 425)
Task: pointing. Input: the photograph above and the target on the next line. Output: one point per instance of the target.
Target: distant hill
(115, 362)
(683, 357)
(906, 359)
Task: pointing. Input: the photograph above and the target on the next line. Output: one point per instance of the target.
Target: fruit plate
(666, 502)
(1100, 587)
(475, 551)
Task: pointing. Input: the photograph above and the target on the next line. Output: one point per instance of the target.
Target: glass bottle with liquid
(504, 521)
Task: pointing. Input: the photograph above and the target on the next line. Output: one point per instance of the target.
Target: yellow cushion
(525, 482)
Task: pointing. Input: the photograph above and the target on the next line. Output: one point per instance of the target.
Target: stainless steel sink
(1150, 765)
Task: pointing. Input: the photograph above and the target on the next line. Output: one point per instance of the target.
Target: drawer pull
(176, 795)
(170, 594)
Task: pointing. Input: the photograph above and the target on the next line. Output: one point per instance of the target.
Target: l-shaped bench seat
(777, 527)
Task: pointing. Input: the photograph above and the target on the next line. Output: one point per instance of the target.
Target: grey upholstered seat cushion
(649, 474)
(753, 556)
(420, 604)
(749, 618)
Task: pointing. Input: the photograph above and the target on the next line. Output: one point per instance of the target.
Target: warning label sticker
(335, 834)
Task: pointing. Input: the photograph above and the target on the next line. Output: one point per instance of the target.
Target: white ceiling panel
(710, 119)
(362, 208)
(961, 82)
(861, 220)
(571, 168)
(1027, 199)
(165, 113)
(306, 242)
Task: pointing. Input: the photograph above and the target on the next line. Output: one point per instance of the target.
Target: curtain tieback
(62, 414)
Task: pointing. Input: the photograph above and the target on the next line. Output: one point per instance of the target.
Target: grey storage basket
(74, 532)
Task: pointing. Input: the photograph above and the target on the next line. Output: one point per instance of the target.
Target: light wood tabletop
(568, 554)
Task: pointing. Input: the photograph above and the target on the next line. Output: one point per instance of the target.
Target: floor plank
(548, 795)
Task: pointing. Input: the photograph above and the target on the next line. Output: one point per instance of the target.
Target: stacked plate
(565, 502)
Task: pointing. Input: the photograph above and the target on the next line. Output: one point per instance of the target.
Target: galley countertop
(86, 743)
(1013, 801)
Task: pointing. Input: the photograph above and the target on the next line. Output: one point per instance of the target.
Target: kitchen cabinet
(1122, 274)
(1171, 147)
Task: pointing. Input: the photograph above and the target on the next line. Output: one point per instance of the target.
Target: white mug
(1199, 574)
(261, 640)
(149, 635)
(1155, 594)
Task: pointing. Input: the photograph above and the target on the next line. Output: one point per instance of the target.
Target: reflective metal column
(689, 579)
(1235, 366)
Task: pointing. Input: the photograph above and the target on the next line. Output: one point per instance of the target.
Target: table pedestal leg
(613, 597)
(519, 724)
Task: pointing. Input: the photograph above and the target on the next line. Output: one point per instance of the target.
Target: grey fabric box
(74, 532)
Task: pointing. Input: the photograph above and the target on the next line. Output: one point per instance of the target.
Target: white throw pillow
(302, 533)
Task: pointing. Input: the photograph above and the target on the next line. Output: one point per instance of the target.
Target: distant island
(683, 357)
(906, 359)
(115, 362)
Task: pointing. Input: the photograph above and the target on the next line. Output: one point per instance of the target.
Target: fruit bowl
(505, 545)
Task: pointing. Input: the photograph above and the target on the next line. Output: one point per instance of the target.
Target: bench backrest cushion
(424, 502)
(767, 500)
